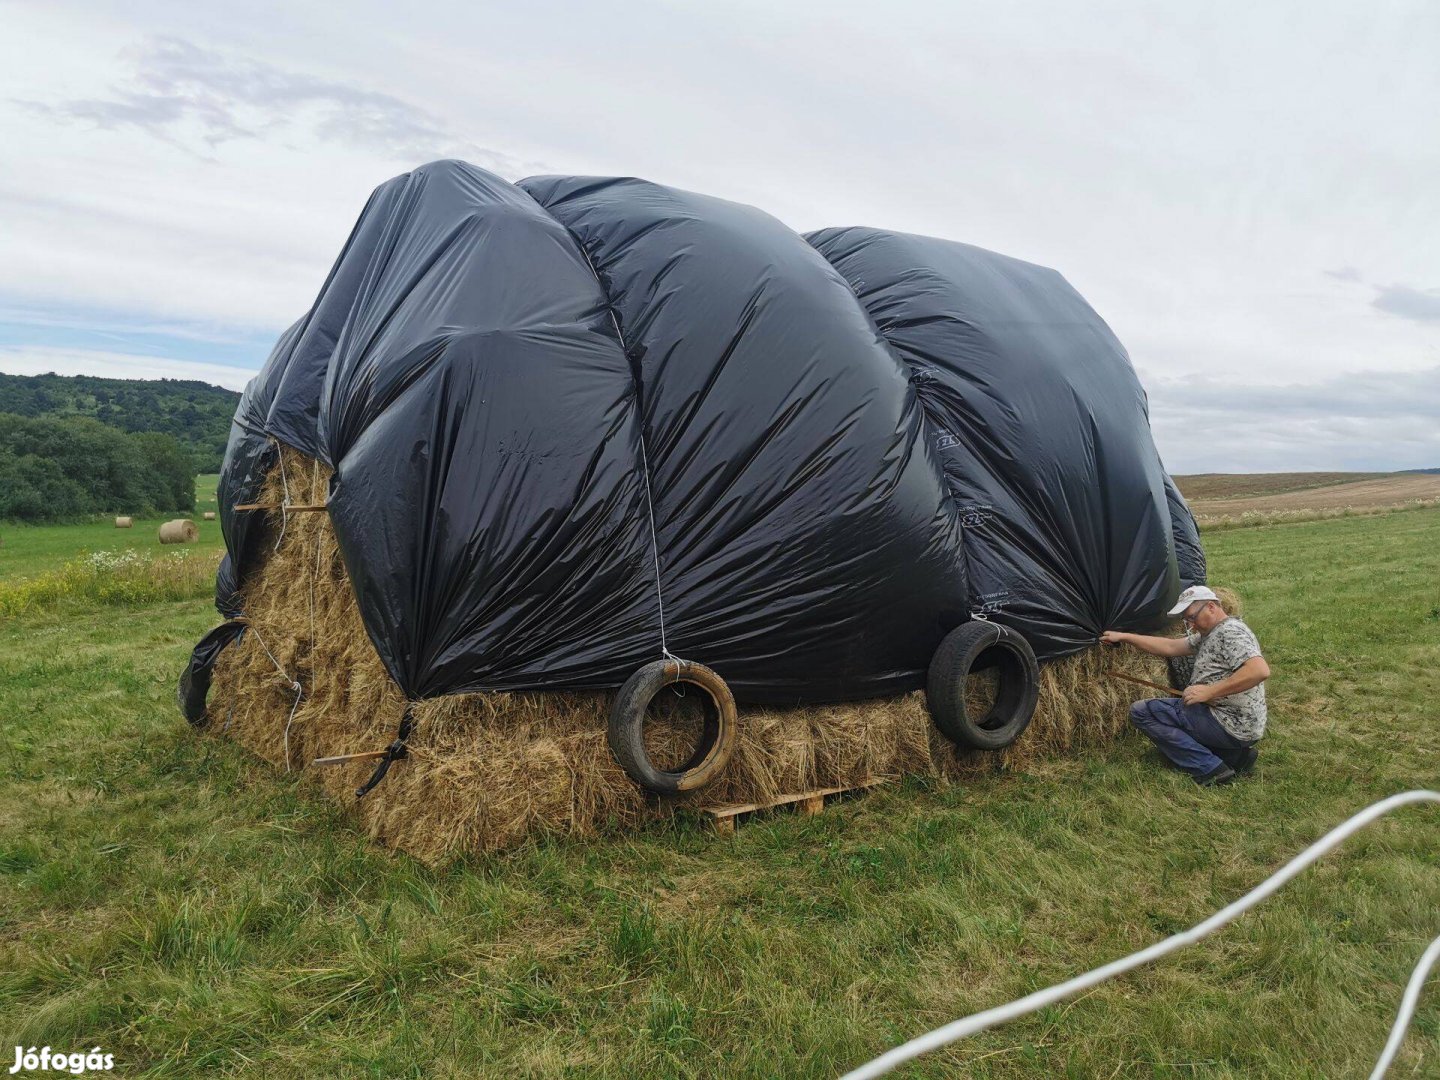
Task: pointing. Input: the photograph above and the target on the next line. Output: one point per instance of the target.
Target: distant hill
(196, 414)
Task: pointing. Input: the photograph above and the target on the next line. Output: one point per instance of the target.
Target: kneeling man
(1212, 730)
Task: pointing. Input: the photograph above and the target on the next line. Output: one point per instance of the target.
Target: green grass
(30, 550)
(176, 902)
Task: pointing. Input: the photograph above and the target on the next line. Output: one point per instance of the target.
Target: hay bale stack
(179, 531)
(488, 770)
(124, 522)
(209, 515)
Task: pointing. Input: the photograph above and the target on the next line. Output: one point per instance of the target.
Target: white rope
(1407, 1009)
(654, 538)
(294, 685)
(319, 543)
(970, 1025)
(284, 506)
(644, 469)
(299, 693)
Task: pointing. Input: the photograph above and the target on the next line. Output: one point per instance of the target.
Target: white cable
(644, 456)
(654, 541)
(1407, 1009)
(284, 506)
(299, 693)
(294, 685)
(970, 1025)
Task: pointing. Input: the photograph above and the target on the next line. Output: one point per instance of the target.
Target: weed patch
(125, 578)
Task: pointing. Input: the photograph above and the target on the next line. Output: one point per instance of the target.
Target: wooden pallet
(806, 803)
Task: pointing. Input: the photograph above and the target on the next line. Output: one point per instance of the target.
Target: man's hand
(1198, 694)
(1155, 646)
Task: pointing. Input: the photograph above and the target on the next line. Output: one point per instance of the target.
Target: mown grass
(31, 550)
(185, 907)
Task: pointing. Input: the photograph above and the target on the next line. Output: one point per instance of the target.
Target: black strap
(394, 752)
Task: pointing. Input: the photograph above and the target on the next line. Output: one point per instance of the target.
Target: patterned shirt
(1218, 655)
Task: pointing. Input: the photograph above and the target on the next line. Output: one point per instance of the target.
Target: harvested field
(488, 770)
(1203, 486)
(1391, 490)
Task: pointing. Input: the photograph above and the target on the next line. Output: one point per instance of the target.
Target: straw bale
(179, 531)
(488, 770)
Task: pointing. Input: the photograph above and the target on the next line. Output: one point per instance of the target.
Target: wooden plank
(811, 802)
(342, 759)
(297, 508)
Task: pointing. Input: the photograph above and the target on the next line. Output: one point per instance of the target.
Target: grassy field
(172, 900)
(29, 550)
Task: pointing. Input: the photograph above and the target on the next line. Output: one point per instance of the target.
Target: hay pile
(487, 770)
(179, 531)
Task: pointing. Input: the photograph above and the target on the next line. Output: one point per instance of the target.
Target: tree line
(197, 414)
(63, 468)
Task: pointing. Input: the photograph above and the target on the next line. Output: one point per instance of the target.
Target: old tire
(978, 646)
(626, 732)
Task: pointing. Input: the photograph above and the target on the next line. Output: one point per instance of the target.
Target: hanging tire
(979, 646)
(626, 732)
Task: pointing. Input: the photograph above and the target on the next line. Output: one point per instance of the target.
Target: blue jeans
(1188, 735)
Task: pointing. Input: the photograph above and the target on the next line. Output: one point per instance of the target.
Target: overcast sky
(1248, 193)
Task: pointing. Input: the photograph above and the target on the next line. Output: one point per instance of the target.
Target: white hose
(970, 1025)
(1407, 1009)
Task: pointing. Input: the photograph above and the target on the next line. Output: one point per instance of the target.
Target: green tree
(55, 468)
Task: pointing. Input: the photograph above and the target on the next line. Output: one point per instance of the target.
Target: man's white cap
(1190, 595)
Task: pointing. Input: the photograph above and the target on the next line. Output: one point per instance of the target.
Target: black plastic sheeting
(578, 420)
(804, 538)
(1041, 426)
(194, 685)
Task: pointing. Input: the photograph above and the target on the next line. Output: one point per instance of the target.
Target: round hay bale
(179, 531)
(209, 515)
(124, 522)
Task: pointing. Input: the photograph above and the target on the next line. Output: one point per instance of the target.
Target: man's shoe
(1221, 774)
(1242, 761)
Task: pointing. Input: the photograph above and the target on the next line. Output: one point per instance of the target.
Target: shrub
(57, 468)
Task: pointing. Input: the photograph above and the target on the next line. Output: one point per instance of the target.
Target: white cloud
(1422, 305)
(1367, 421)
(1208, 177)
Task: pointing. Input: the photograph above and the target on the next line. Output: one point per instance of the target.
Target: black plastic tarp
(1041, 426)
(804, 538)
(578, 420)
